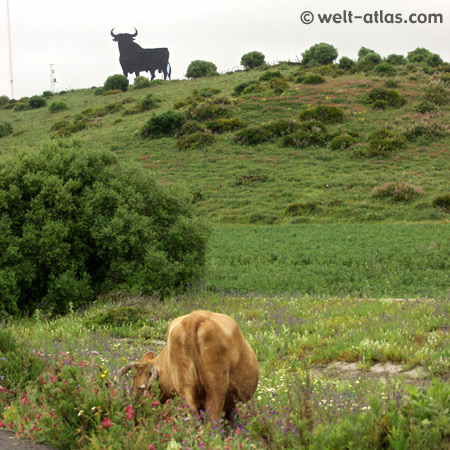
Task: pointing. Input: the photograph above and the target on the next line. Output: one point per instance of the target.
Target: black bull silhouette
(134, 58)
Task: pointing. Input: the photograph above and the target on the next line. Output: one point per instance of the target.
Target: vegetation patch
(195, 140)
(5, 129)
(398, 192)
(442, 202)
(162, 125)
(224, 125)
(387, 97)
(324, 114)
(209, 110)
(342, 142)
(253, 136)
(312, 79)
(382, 142)
(249, 179)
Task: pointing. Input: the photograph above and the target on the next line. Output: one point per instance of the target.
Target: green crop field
(328, 209)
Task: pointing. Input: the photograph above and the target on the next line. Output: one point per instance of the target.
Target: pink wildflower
(151, 447)
(2, 424)
(106, 423)
(155, 404)
(129, 412)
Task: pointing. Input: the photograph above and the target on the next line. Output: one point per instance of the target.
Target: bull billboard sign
(135, 59)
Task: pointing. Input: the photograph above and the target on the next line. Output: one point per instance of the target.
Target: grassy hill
(385, 160)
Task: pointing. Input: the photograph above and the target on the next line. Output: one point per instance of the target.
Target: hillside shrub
(141, 82)
(223, 125)
(442, 202)
(306, 138)
(396, 60)
(369, 61)
(111, 92)
(383, 142)
(300, 209)
(242, 180)
(4, 100)
(418, 55)
(253, 136)
(270, 74)
(209, 110)
(278, 85)
(323, 113)
(346, 63)
(116, 82)
(313, 79)
(385, 68)
(392, 97)
(434, 60)
(195, 140)
(281, 127)
(198, 69)
(5, 129)
(425, 107)
(241, 87)
(398, 192)
(363, 51)
(37, 101)
(319, 55)
(190, 127)
(438, 94)
(427, 130)
(57, 105)
(168, 123)
(75, 222)
(21, 106)
(48, 94)
(252, 59)
(341, 142)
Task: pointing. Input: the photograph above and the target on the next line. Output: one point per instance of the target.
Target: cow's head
(123, 37)
(145, 374)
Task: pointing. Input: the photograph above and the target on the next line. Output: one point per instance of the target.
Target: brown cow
(206, 360)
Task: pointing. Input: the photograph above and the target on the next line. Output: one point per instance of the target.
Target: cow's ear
(148, 357)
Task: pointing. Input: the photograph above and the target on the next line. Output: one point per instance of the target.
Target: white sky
(75, 35)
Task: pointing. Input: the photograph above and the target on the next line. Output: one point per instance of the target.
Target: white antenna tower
(52, 78)
(10, 51)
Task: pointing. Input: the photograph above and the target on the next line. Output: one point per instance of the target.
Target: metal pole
(10, 51)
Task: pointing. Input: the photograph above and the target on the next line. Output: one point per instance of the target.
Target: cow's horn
(135, 34)
(125, 369)
(112, 34)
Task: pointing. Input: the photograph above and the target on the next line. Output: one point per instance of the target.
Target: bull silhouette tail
(169, 70)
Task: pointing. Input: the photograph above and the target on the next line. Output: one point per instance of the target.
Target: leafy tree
(396, 60)
(252, 59)
(198, 68)
(418, 55)
(346, 63)
(320, 55)
(363, 51)
(75, 222)
(434, 60)
(117, 81)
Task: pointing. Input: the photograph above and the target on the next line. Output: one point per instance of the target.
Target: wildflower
(155, 404)
(2, 424)
(106, 423)
(129, 412)
(151, 447)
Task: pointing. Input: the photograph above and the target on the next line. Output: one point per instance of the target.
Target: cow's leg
(215, 400)
(189, 397)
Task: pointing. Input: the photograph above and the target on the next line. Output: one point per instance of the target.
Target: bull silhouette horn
(112, 34)
(135, 34)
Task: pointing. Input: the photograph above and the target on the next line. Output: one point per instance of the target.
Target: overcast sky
(75, 35)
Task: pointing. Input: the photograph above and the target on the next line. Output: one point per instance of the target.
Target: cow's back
(209, 349)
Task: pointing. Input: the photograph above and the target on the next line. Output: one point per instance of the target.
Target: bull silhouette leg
(153, 74)
(137, 73)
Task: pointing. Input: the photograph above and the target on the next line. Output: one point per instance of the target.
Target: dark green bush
(165, 124)
(278, 85)
(141, 82)
(434, 60)
(147, 103)
(195, 140)
(209, 110)
(398, 192)
(346, 63)
(341, 142)
(281, 127)
(300, 209)
(21, 106)
(119, 316)
(392, 97)
(223, 125)
(253, 136)
(442, 202)
(239, 89)
(57, 105)
(427, 129)
(305, 138)
(206, 92)
(385, 68)
(198, 69)
(116, 83)
(426, 107)
(324, 114)
(270, 74)
(438, 94)
(363, 51)
(313, 79)
(249, 179)
(391, 84)
(74, 223)
(3, 100)
(319, 55)
(418, 55)
(383, 142)
(37, 102)
(190, 127)
(48, 94)
(369, 61)
(380, 104)
(5, 129)
(395, 60)
(252, 59)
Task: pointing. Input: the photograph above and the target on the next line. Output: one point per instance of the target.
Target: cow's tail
(169, 70)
